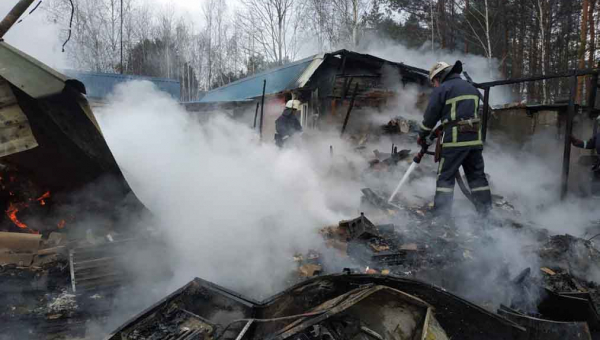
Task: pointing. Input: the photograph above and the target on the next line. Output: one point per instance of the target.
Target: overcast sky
(35, 36)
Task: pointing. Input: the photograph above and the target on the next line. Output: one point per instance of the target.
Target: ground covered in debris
(443, 253)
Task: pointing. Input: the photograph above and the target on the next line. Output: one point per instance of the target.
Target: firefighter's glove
(422, 141)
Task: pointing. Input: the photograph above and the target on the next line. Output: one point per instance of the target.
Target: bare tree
(479, 24)
(273, 26)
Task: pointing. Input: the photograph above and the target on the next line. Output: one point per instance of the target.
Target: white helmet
(437, 68)
(293, 104)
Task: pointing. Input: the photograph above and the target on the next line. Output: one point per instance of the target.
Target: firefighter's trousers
(471, 159)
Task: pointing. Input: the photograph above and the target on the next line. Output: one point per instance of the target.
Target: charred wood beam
(11, 18)
(486, 113)
(349, 110)
(582, 72)
(343, 65)
(373, 96)
(347, 84)
(592, 98)
(358, 75)
(568, 133)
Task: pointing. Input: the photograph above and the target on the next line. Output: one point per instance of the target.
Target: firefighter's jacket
(287, 124)
(455, 103)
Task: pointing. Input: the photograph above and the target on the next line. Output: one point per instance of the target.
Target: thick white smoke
(233, 209)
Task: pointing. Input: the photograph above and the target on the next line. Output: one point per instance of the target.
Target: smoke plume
(233, 209)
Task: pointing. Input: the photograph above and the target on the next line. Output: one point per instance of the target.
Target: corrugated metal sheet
(99, 85)
(31, 76)
(279, 79)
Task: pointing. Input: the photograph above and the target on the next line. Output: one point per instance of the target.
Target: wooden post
(568, 132)
(486, 113)
(14, 15)
(262, 109)
(349, 110)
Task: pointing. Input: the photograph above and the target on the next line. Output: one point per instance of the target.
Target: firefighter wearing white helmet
(436, 69)
(287, 124)
(454, 103)
(590, 144)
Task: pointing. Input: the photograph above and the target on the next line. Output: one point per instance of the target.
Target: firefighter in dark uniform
(455, 103)
(287, 124)
(592, 143)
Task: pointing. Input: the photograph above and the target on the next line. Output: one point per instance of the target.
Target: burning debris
(63, 244)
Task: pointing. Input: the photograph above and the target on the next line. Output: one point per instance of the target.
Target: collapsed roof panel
(280, 79)
(49, 132)
(15, 131)
(30, 75)
(327, 305)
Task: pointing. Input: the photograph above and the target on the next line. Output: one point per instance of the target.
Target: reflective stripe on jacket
(455, 100)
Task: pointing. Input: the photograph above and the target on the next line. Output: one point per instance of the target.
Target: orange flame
(12, 214)
(43, 197)
(14, 208)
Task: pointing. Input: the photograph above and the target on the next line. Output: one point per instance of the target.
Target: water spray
(416, 160)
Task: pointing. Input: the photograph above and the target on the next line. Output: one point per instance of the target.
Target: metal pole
(568, 133)
(12, 16)
(262, 108)
(582, 72)
(592, 101)
(349, 110)
(122, 67)
(486, 113)
(255, 114)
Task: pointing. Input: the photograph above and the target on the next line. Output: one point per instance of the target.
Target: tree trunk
(487, 35)
(442, 23)
(466, 42)
(355, 23)
(582, 48)
(541, 19)
(432, 28)
(592, 49)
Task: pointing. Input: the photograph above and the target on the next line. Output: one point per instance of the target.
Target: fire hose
(437, 133)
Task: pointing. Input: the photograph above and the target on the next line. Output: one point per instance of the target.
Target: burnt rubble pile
(400, 125)
(55, 288)
(341, 306)
(382, 295)
(550, 298)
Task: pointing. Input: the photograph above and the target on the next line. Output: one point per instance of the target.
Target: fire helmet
(437, 68)
(293, 104)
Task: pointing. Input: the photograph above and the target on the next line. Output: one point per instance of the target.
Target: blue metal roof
(278, 79)
(99, 85)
